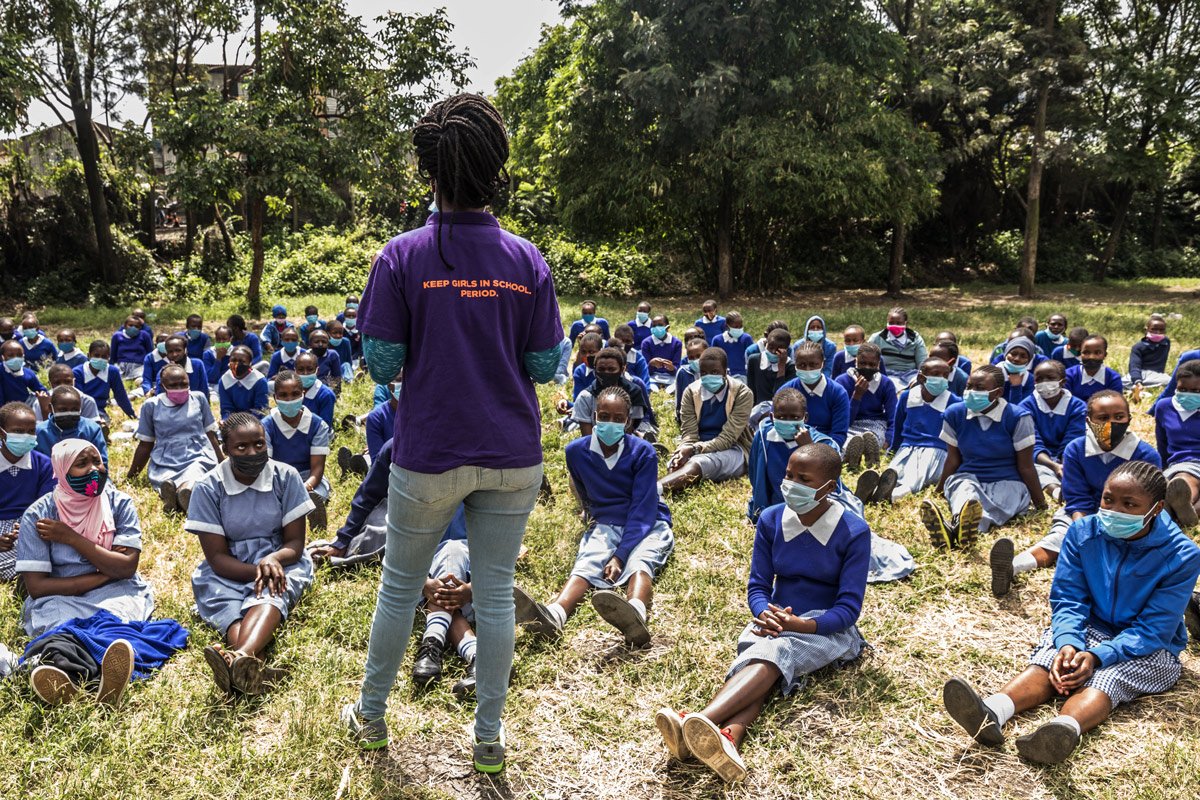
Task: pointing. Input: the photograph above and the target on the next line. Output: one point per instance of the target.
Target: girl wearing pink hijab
(78, 555)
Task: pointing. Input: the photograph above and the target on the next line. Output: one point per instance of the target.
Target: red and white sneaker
(713, 746)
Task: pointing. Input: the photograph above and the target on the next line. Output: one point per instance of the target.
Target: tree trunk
(725, 242)
(1033, 202)
(1124, 201)
(149, 220)
(258, 210)
(189, 235)
(896, 268)
(226, 239)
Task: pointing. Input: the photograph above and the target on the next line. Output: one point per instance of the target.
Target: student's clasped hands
(1071, 669)
(774, 621)
(451, 593)
(270, 576)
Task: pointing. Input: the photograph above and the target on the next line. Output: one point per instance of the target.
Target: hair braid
(236, 420)
(1148, 476)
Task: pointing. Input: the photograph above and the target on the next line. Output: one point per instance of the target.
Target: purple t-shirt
(467, 398)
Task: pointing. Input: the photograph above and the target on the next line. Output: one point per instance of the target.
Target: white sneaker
(670, 724)
(714, 747)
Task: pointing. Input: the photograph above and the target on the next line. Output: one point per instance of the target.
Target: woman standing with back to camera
(468, 424)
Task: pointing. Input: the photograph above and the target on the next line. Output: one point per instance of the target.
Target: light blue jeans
(420, 506)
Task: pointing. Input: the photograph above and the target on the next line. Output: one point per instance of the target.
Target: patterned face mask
(1108, 434)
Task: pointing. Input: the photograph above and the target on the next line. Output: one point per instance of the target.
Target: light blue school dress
(182, 451)
(130, 599)
(251, 518)
(296, 446)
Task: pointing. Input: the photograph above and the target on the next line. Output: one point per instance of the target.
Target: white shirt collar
(631, 357)
(1064, 403)
(900, 340)
(69, 354)
(873, 384)
(774, 436)
(233, 486)
(32, 343)
(728, 337)
(1183, 412)
(287, 430)
(312, 391)
(656, 340)
(1099, 377)
(819, 389)
(765, 364)
(915, 399)
(821, 530)
(20, 370)
(996, 414)
(102, 374)
(157, 356)
(228, 379)
(24, 462)
(706, 395)
(609, 461)
(1124, 449)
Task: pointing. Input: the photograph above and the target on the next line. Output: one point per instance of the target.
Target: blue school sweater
(735, 349)
(1177, 433)
(670, 349)
(251, 341)
(640, 332)
(766, 382)
(247, 394)
(381, 427)
(879, 402)
(344, 350)
(1169, 391)
(1057, 427)
(990, 455)
(329, 368)
(578, 325)
(72, 358)
(1023, 390)
(196, 345)
(100, 386)
(39, 351)
(1046, 342)
(1086, 468)
(712, 329)
(381, 395)
(683, 378)
(281, 359)
(49, 434)
(310, 438)
(713, 415)
(767, 466)
(320, 399)
(306, 330)
(214, 365)
(151, 364)
(1109, 379)
(355, 340)
(20, 488)
(829, 411)
(125, 350)
(965, 365)
(1148, 355)
(804, 574)
(918, 423)
(582, 378)
(841, 362)
(16, 387)
(1135, 590)
(958, 381)
(197, 377)
(1063, 354)
(636, 366)
(272, 334)
(625, 496)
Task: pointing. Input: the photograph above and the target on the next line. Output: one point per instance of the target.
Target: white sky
(496, 33)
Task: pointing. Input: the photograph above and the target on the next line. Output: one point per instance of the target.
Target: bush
(322, 260)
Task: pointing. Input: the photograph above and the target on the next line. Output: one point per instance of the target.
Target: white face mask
(1047, 389)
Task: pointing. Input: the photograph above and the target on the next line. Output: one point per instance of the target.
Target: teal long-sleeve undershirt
(385, 359)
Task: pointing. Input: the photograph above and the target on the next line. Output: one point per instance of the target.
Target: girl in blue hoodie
(814, 331)
(1124, 579)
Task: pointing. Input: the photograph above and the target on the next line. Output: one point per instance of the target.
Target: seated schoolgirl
(920, 453)
(963, 363)
(948, 351)
(272, 332)
(216, 358)
(808, 575)
(242, 388)
(62, 375)
(635, 362)
(1090, 375)
(87, 608)
(285, 354)
(299, 438)
(177, 440)
(239, 336)
(663, 353)
(814, 331)
(39, 350)
(760, 344)
(151, 364)
(710, 323)
(641, 323)
(714, 438)
(318, 398)
(1148, 358)
(66, 422)
(587, 316)
(772, 367)
(1054, 335)
(1058, 419)
(1022, 331)
(1177, 434)
(690, 370)
(129, 348)
(20, 384)
(312, 323)
(352, 301)
(339, 344)
(197, 340)
(734, 341)
(853, 338)
(1070, 352)
(1018, 365)
(329, 364)
(100, 380)
(68, 350)
(581, 378)
(614, 474)
(353, 335)
(1087, 461)
(988, 477)
(177, 353)
(1123, 581)
(608, 373)
(828, 403)
(25, 475)
(872, 407)
(902, 347)
(249, 514)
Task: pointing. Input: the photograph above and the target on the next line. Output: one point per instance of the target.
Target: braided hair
(1146, 475)
(462, 145)
(615, 392)
(236, 420)
(994, 374)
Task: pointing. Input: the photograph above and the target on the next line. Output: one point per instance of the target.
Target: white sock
(1074, 723)
(1025, 562)
(558, 612)
(639, 607)
(437, 625)
(1003, 707)
(466, 647)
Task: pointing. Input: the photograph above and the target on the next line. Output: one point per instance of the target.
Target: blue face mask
(312, 319)
(131, 332)
(291, 347)
(15, 364)
(589, 318)
(694, 365)
(976, 399)
(20, 443)
(1188, 401)
(642, 317)
(289, 408)
(712, 382)
(799, 497)
(936, 384)
(788, 428)
(351, 323)
(161, 347)
(772, 358)
(350, 306)
(1119, 525)
(193, 333)
(31, 333)
(609, 432)
(1014, 369)
(816, 336)
(98, 364)
(335, 340)
(852, 350)
(396, 391)
(809, 376)
(308, 380)
(736, 333)
(659, 331)
(66, 347)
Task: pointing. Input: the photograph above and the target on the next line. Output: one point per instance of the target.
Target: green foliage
(322, 260)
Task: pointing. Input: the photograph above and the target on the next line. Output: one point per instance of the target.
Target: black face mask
(319, 351)
(627, 346)
(239, 370)
(867, 373)
(250, 466)
(605, 381)
(1108, 434)
(591, 362)
(1091, 364)
(66, 422)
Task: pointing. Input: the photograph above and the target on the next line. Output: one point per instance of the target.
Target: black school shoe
(966, 707)
(867, 484)
(1191, 616)
(887, 484)
(871, 449)
(968, 523)
(1051, 743)
(1179, 503)
(1001, 561)
(941, 535)
(343, 459)
(852, 453)
(614, 609)
(427, 667)
(359, 465)
(465, 687)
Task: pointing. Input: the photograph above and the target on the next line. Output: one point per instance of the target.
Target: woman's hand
(52, 530)
(613, 569)
(270, 576)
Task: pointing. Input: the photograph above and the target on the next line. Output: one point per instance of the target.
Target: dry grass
(580, 716)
